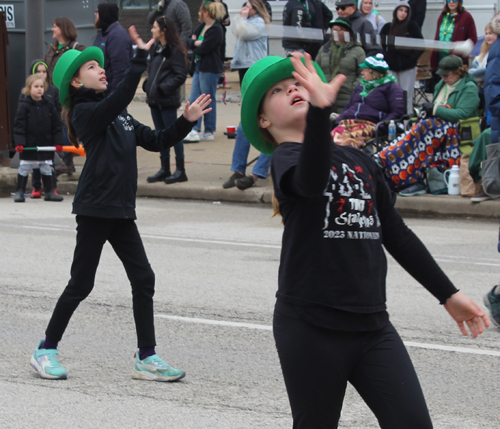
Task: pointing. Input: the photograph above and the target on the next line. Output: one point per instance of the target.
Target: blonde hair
(32, 78)
(485, 48)
(215, 10)
(261, 10)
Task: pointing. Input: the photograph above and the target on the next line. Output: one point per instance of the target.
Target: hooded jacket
(492, 82)
(374, 17)
(352, 56)
(37, 123)
(464, 100)
(382, 104)
(110, 136)
(252, 41)
(177, 11)
(295, 14)
(360, 25)
(401, 59)
(167, 73)
(115, 43)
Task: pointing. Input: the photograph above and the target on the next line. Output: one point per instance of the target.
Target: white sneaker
(207, 136)
(192, 137)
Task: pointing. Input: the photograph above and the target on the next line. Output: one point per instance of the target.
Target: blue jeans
(164, 118)
(205, 83)
(240, 155)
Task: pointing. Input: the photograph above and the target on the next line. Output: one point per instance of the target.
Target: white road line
(44, 228)
(269, 328)
(203, 240)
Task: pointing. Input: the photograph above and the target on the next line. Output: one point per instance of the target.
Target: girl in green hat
(104, 203)
(330, 322)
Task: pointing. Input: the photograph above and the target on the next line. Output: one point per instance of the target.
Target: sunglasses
(452, 1)
(341, 7)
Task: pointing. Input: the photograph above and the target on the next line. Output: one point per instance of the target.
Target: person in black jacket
(167, 73)
(206, 67)
(331, 324)
(402, 62)
(418, 9)
(299, 14)
(37, 123)
(52, 95)
(104, 202)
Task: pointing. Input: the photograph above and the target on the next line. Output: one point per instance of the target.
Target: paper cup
(231, 129)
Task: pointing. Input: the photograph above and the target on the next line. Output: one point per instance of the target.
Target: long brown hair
(460, 8)
(399, 28)
(171, 35)
(67, 113)
(261, 10)
(67, 26)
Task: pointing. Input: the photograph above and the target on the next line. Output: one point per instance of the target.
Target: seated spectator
(402, 62)
(377, 21)
(344, 57)
(434, 140)
(377, 98)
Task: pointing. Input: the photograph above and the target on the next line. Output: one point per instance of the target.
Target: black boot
(50, 195)
(20, 189)
(180, 173)
(163, 172)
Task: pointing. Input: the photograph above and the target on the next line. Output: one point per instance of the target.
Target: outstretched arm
(463, 309)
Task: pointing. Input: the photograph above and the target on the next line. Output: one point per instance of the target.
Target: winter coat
(401, 59)
(54, 53)
(116, 45)
(492, 89)
(464, 29)
(37, 124)
(252, 41)
(177, 11)
(295, 14)
(377, 20)
(209, 50)
(382, 104)
(352, 57)
(167, 73)
(110, 136)
(360, 25)
(464, 100)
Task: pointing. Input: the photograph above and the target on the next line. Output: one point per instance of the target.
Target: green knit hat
(67, 66)
(258, 79)
(376, 63)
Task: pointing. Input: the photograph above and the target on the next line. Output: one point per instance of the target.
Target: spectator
(251, 46)
(208, 66)
(366, 8)
(339, 56)
(224, 22)
(360, 25)
(115, 43)
(454, 24)
(177, 11)
(492, 81)
(433, 140)
(297, 13)
(64, 34)
(321, 17)
(167, 73)
(418, 9)
(402, 62)
(377, 98)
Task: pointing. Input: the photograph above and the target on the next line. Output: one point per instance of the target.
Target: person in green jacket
(434, 140)
(342, 54)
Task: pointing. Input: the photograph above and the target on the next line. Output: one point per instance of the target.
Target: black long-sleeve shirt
(339, 214)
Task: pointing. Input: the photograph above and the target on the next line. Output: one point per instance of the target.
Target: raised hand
(193, 112)
(321, 94)
(463, 309)
(136, 39)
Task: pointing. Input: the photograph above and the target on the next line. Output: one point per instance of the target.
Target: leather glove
(428, 108)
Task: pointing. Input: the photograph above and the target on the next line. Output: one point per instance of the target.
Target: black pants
(317, 363)
(122, 234)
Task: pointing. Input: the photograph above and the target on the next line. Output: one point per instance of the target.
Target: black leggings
(124, 237)
(317, 363)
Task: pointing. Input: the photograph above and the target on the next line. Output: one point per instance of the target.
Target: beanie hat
(376, 63)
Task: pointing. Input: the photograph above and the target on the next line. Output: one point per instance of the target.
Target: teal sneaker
(46, 362)
(492, 303)
(154, 369)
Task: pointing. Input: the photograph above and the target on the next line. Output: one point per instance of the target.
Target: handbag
(435, 181)
(469, 130)
(491, 170)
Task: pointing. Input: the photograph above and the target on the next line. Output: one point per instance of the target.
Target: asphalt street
(216, 267)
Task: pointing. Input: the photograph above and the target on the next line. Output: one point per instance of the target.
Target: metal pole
(34, 20)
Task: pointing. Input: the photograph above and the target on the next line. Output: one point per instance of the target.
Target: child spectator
(37, 123)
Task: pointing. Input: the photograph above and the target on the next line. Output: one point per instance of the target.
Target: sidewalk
(208, 167)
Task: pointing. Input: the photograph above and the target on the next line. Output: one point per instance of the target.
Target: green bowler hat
(67, 66)
(258, 79)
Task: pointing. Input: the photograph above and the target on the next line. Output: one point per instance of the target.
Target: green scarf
(370, 85)
(337, 54)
